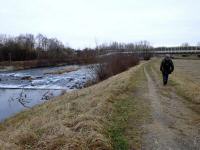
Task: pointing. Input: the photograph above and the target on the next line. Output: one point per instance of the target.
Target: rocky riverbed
(40, 79)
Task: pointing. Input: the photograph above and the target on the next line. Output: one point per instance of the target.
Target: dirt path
(173, 126)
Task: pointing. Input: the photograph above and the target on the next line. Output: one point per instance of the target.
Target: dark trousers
(165, 78)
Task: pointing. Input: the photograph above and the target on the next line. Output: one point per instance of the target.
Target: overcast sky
(82, 22)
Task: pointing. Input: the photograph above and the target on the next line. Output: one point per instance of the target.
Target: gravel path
(174, 126)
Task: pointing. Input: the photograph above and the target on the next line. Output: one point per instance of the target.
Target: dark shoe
(164, 82)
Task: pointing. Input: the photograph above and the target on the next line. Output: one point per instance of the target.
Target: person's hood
(167, 57)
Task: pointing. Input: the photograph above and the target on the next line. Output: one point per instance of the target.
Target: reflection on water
(15, 100)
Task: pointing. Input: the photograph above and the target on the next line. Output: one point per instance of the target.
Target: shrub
(113, 64)
(101, 71)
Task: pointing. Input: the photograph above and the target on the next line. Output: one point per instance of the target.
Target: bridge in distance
(158, 51)
(178, 50)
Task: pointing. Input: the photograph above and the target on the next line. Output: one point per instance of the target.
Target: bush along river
(20, 90)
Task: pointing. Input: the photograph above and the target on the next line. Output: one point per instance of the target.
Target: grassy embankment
(108, 115)
(185, 81)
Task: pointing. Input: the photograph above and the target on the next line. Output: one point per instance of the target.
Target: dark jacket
(167, 66)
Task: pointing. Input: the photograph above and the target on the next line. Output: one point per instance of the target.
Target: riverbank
(21, 65)
(75, 120)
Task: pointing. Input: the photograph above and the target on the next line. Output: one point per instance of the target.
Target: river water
(20, 90)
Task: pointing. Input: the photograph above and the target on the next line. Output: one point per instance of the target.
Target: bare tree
(39, 38)
(186, 44)
(3, 39)
(42, 42)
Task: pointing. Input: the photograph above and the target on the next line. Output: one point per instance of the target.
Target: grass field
(187, 81)
(189, 69)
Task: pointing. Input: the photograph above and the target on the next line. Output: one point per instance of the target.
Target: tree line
(30, 47)
(26, 47)
(137, 46)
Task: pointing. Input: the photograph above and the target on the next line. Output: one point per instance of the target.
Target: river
(20, 90)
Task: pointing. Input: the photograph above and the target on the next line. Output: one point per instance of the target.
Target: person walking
(166, 67)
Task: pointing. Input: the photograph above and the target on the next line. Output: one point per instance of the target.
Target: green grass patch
(119, 124)
(131, 111)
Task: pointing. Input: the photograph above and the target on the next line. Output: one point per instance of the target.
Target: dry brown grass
(64, 70)
(73, 121)
(19, 65)
(187, 81)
